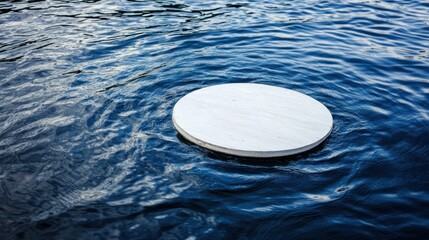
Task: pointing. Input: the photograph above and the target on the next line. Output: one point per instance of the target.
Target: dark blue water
(88, 149)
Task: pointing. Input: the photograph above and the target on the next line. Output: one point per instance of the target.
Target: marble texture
(252, 120)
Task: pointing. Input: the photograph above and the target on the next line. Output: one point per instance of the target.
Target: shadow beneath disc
(271, 161)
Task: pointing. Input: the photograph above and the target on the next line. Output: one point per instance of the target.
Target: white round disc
(252, 120)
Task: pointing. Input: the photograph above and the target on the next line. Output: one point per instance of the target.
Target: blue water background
(88, 149)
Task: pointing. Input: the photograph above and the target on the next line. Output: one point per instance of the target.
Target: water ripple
(88, 150)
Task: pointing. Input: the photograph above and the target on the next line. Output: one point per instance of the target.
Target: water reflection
(87, 147)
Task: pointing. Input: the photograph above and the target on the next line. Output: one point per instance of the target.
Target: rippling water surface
(88, 149)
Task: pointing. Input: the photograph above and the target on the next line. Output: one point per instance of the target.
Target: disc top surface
(252, 120)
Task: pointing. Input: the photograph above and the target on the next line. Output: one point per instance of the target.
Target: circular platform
(252, 120)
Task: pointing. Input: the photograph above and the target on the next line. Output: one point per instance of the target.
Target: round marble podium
(252, 120)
